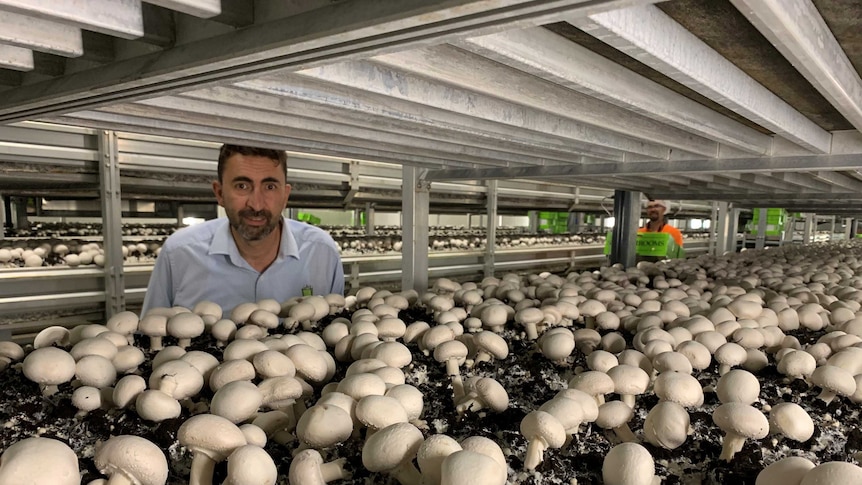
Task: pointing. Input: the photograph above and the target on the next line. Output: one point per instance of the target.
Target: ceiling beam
(372, 106)
(552, 57)
(351, 120)
(472, 73)
(121, 18)
(652, 37)
(401, 85)
(801, 196)
(16, 58)
(713, 165)
(40, 35)
(798, 31)
(197, 8)
(337, 31)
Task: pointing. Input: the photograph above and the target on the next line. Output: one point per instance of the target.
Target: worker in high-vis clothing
(655, 211)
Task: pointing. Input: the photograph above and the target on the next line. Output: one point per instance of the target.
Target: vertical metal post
(369, 219)
(808, 231)
(626, 216)
(573, 224)
(720, 231)
(854, 228)
(491, 232)
(112, 224)
(533, 217)
(357, 217)
(787, 236)
(733, 228)
(414, 234)
(19, 208)
(760, 241)
(847, 227)
(3, 217)
(714, 248)
(831, 228)
(181, 215)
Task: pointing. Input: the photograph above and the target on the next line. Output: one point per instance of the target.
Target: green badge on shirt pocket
(307, 291)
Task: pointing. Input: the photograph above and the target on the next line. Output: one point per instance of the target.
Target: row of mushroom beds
(646, 329)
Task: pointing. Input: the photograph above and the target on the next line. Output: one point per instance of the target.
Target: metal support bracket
(414, 234)
(112, 225)
(491, 231)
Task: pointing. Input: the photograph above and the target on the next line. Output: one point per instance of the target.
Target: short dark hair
(227, 151)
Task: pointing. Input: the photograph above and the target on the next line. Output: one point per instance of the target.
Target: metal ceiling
(757, 102)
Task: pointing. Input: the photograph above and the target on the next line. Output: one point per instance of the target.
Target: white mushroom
(211, 439)
(392, 450)
(739, 421)
(250, 465)
(629, 464)
(308, 468)
(131, 460)
(24, 463)
(542, 431)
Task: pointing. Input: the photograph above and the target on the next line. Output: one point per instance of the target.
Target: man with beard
(253, 254)
(655, 210)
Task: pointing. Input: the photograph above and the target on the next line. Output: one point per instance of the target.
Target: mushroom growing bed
(795, 300)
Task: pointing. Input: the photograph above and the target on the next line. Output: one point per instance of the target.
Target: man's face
(253, 192)
(654, 211)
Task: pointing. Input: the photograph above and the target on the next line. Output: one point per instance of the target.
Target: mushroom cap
(206, 307)
(310, 364)
(490, 392)
(592, 382)
(243, 349)
(237, 401)
(470, 467)
(128, 358)
(587, 402)
(730, 353)
(833, 472)
(87, 398)
(666, 425)
(791, 420)
(127, 390)
(229, 371)
(305, 468)
(324, 425)
(380, 411)
(272, 363)
(411, 399)
(136, 458)
(834, 379)
(797, 363)
(432, 452)
(24, 463)
(214, 436)
(391, 446)
(125, 322)
(358, 386)
(492, 343)
(96, 371)
(49, 366)
(250, 464)
(263, 318)
(50, 336)
(539, 425)
(629, 379)
(613, 414)
(452, 349)
(157, 406)
(185, 325)
(94, 346)
(786, 471)
(189, 380)
(628, 464)
(738, 386)
(679, 387)
(567, 411)
(741, 419)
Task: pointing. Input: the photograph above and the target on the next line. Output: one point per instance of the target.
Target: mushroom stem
(334, 470)
(467, 403)
(625, 434)
(532, 332)
(406, 474)
(629, 399)
(184, 342)
(732, 443)
(723, 369)
(156, 343)
(535, 450)
(826, 396)
(455, 374)
(482, 356)
(202, 470)
(50, 390)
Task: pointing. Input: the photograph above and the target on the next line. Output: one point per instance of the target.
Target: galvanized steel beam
(491, 230)
(713, 165)
(472, 73)
(798, 31)
(112, 225)
(121, 18)
(549, 56)
(334, 32)
(197, 8)
(40, 35)
(16, 58)
(652, 37)
(407, 86)
(414, 231)
(627, 209)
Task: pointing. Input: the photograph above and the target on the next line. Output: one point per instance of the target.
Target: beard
(252, 233)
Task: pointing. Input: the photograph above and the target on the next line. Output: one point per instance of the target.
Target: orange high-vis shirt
(674, 233)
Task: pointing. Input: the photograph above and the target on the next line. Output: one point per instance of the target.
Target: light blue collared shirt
(202, 262)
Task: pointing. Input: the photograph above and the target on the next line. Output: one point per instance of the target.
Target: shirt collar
(223, 243)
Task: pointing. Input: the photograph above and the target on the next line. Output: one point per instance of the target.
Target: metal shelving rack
(38, 159)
